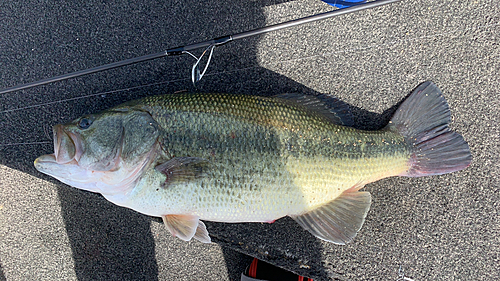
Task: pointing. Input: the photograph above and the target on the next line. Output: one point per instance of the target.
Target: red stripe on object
(252, 271)
(301, 278)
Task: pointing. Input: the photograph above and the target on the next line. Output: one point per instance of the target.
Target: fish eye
(84, 123)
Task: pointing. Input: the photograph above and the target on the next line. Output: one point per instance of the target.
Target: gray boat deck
(434, 228)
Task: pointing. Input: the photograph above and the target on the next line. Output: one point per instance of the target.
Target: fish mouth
(109, 175)
(67, 146)
(63, 163)
(67, 149)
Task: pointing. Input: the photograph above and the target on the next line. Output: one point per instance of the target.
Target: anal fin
(186, 227)
(339, 220)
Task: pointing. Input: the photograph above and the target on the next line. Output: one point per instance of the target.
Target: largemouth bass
(237, 158)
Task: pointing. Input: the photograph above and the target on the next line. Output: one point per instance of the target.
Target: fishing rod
(210, 45)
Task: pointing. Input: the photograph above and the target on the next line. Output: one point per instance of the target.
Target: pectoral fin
(181, 169)
(340, 220)
(186, 227)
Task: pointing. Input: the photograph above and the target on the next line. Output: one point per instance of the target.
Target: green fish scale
(261, 151)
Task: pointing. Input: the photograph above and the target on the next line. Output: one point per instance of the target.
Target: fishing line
(236, 70)
(258, 66)
(26, 143)
(206, 44)
(198, 59)
(93, 95)
(195, 71)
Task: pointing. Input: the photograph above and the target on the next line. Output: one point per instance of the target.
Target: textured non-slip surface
(431, 228)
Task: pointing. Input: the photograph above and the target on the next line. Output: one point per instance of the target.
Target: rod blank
(213, 42)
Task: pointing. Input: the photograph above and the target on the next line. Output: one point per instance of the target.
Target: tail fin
(423, 120)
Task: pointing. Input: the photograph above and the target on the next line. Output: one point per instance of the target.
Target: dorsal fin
(332, 108)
